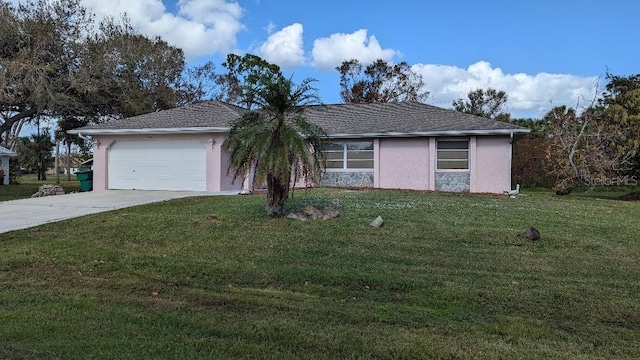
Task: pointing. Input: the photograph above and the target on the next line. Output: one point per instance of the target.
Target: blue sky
(542, 53)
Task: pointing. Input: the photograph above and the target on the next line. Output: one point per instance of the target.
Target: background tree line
(596, 144)
(567, 147)
(57, 63)
(593, 144)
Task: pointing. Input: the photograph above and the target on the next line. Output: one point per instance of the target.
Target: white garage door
(157, 165)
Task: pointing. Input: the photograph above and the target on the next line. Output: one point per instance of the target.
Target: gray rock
(297, 215)
(311, 213)
(531, 234)
(377, 222)
(49, 190)
(330, 212)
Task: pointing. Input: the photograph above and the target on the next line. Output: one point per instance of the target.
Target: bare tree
(380, 82)
(488, 103)
(587, 147)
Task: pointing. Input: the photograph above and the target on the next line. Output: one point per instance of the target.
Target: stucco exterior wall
(491, 165)
(226, 178)
(404, 163)
(399, 163)
(217, 179)
(100, 146)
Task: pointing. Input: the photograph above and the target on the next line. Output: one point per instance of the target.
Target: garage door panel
(157, 165)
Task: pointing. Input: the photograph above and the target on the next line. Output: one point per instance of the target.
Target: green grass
(28, 185)
(446, 277)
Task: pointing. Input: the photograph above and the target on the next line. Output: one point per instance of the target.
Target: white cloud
(270, 28)
(200, 27)
(332, 51)
(528, 95)
(284, 47)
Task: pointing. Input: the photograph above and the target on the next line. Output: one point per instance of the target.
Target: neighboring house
(84, 166)
(77, 164)
(403, 145)
(5, 155)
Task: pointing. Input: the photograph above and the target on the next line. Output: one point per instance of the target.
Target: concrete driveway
(22, 214)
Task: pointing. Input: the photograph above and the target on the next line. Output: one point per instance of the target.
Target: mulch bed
(633, 196)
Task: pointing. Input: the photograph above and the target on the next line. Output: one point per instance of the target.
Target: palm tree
(65, 124)
(277, 140)
(35, 152)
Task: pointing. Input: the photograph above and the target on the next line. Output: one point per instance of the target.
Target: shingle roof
(397, 117)
(208, 114)
(340, 120)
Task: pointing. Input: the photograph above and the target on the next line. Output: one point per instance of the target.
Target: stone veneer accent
(347, 179)
(453, 181)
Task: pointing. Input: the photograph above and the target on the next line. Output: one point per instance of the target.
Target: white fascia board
(93, 132)
(431, 133)
(198, 130)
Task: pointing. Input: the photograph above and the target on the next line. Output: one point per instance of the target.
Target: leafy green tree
(621, 103)
(133, 74)
(54, 64)
(380, 82)
(488, 103)
(530, 165)
(65, 124)
(35, 152)
(42, 47)
(275, 139)
(537, 126)
(245, 79)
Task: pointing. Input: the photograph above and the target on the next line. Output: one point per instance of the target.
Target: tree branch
(8, 123)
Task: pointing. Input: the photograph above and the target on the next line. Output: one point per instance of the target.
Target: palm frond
(276, 140)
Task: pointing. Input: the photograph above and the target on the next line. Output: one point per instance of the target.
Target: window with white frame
(453, 154)
(349, 155)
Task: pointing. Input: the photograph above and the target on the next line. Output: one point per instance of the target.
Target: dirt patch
(633, 196)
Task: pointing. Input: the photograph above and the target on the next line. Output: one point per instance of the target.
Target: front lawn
(28, 185)
(445, 277)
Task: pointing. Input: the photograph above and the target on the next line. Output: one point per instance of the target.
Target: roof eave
(432, 133)
(149, 131)
(7, 152)
(200, 130)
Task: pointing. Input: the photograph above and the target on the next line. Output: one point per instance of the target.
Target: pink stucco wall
(216, 158)
(491, 165)
(409, 163)
(399, 163)
(404, 163)
(226, 178)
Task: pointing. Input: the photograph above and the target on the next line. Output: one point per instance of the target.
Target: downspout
(84, 137)
(96, 143)
(510, 161)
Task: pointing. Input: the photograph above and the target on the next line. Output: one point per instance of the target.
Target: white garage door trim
(157, 165)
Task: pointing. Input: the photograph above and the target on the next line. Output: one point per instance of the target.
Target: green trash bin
(86, 180)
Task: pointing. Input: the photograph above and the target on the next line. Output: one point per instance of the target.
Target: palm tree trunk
(277, 194)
